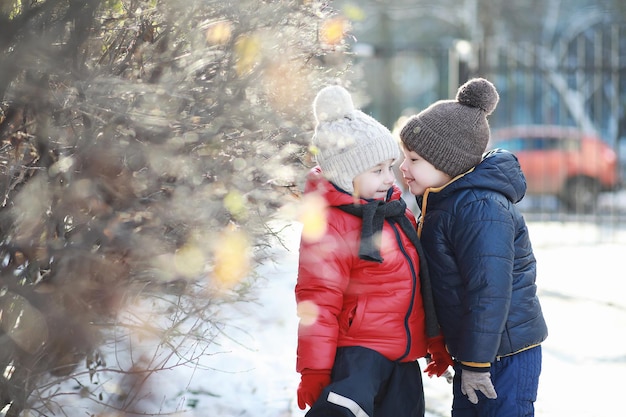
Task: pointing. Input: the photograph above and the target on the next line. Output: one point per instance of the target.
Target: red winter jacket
(357, 302)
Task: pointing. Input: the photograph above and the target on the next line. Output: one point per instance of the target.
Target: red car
(563, 161)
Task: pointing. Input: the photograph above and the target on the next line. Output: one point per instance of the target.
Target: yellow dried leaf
(235, 203)
(308, 312)
(248, 51)
(189, 261)
(219, 33)
(232, 258)
(313, 216)
(354, 12)
(333, 31)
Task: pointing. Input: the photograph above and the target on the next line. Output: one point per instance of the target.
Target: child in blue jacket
(479, 253)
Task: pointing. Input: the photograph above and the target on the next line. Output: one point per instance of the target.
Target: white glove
(477, 381)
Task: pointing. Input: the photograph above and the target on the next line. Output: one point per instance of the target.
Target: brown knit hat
(453, 134)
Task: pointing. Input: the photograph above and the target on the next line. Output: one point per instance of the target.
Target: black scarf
(374, 215)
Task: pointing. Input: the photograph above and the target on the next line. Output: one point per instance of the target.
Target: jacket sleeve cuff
(307, 371)
(476, 366)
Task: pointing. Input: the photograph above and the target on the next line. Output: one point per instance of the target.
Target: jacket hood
(335, 196)
(499, 171)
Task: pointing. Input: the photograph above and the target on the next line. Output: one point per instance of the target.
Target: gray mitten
(477, 381)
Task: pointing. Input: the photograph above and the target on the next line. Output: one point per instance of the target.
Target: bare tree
(145, 145)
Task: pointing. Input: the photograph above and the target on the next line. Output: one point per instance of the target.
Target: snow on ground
(582, 293)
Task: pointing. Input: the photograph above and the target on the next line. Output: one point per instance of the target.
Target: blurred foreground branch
(144, 146)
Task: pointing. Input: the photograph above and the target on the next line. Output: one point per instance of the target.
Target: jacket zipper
(413, 290)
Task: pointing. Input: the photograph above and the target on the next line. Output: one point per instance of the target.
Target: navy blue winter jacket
(481, 262)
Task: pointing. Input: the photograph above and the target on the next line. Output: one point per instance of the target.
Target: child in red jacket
(363, 293)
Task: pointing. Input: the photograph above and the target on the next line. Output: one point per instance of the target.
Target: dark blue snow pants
(516, 380)
(366, 384)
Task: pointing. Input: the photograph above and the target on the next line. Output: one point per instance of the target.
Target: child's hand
(439, 360)
(434, 369)
(311, 385)
(477, 381)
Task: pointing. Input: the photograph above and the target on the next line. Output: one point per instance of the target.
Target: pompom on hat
(348, 141)
(453, 134)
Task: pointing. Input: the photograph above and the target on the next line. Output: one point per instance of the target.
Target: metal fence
(577, 81)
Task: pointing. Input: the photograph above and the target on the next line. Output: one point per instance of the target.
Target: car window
(549, 143)
(531, 143)
(571, 144)
(539, 143)
(513, 145)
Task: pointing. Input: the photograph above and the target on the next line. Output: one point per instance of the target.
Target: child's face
(375, 182)
(419, 174)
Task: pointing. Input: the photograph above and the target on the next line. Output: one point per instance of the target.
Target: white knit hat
(348, 141)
